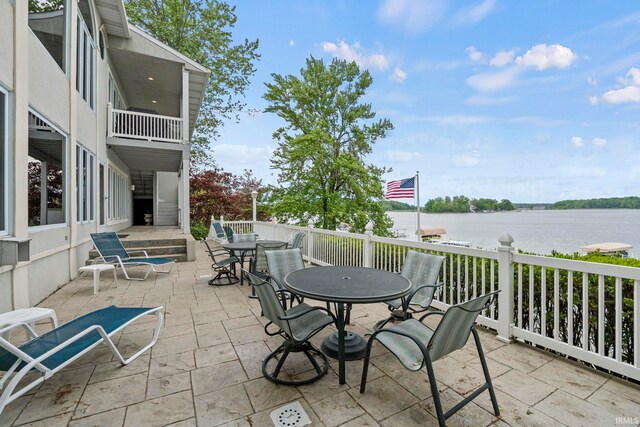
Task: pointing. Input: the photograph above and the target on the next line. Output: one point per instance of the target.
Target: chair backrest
(247, 237)
(283, 262)
(422, 269)
(217, 232)
(269, 303)
(109, 246)
(455, 326)
(298, 238)
(260, 260)
(229, 232)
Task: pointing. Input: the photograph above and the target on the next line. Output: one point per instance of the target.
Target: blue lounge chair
(217, 233)
(50, 352)
(112, 252)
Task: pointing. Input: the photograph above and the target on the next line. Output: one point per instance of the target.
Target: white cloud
(473, 14)
(577, 141)
(591, 172)
(292, 42)
(474, 55)
(466, 160)
(544, 56)
(599, 141)
(502, 58)
(412, 16)
(629, 93)
(242, 154)
(593, 100)
(351, 53)
(490, 81)
(401, 156)
(398, 75)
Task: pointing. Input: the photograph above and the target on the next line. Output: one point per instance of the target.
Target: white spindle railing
(543, 301)
(240, 227)
(150, 127)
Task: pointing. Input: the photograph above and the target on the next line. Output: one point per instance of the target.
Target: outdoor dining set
(279, 279)
(287, 291)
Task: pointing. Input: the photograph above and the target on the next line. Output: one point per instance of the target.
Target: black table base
(354, 346)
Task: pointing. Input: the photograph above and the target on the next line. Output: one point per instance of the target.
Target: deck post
(367, 252)
(310, 226)
(505, 284)
(109, 119)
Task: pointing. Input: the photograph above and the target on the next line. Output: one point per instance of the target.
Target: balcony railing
(145, 126)
(584, 310)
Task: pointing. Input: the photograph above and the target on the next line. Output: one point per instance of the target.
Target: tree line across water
(459, 204)
(464, 204)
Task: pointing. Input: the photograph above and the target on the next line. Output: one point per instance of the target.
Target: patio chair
(228, 231)
(281, 263)
(259, 266)
(224, 265)
(113, 252)
(51, 352)
(245, 237)
(298, 239)
(416, 345)
(216, 233)
(422, 270)
(296, 325)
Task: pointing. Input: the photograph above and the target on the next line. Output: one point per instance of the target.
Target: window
(4, 122)
(118, 194)
(46, 173)
(115, 98)
(86, 62)
(85, 178)
(47, 20)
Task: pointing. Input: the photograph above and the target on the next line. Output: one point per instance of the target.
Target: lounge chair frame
(17, 373)
(121, 261)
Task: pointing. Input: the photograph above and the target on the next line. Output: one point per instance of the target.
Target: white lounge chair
(48, 353)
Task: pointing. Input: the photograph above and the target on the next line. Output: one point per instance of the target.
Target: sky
(532, 101)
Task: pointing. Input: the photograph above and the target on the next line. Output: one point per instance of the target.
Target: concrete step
(166, 248)
(181, 257)
(153, 242)
(151, 251)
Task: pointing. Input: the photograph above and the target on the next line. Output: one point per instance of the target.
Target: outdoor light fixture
(154, 101)
(150, 78)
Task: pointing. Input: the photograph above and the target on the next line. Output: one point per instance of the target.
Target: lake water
(539, 231)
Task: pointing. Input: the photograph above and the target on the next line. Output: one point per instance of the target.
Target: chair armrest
(416, 290)
(416, 341)
(139, 251)
(26, 326)
(302, 313)
(439, 313)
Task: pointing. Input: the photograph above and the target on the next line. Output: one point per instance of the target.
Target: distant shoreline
(516, 210)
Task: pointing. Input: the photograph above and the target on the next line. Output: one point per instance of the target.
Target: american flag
(401, 189)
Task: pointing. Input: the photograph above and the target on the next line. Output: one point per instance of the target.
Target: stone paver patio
(205, 370)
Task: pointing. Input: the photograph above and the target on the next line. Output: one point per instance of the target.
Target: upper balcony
(154, 91)
(146, 125)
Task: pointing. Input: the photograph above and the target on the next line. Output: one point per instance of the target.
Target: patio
(205, 370)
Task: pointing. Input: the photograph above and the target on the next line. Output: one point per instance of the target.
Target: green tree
(322, 147)
(506, 205)
(201, 30)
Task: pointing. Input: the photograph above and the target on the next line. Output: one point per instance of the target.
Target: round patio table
(242, 248)
(346, 285)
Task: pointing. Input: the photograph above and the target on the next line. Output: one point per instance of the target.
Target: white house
(95, 122)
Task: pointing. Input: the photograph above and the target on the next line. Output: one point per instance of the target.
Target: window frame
(85, 185)
(65, 176)
(4, 167)
(86, 63)
(118, 195)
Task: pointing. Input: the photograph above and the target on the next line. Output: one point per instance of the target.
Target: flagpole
(417, 201)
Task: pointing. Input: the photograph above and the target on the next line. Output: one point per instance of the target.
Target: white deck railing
(543, 301)
(149, 127)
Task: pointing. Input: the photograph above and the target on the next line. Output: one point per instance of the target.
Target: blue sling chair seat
(50, 352)
(112, 252)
